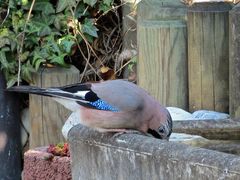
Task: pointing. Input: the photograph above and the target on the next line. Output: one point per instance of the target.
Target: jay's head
(161, 127)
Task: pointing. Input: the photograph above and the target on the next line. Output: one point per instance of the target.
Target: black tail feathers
(30, 90)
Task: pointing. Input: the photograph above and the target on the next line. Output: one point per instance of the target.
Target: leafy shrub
(46, 34)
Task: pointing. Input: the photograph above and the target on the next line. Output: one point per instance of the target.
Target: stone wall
(133, 156)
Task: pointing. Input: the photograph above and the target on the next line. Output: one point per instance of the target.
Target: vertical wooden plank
(221, 74)
(36, 122)
(208, 56)
(195, 99)
(234, 64)
(178, 65)
(47, 116)
(162, 63)
(162, 50)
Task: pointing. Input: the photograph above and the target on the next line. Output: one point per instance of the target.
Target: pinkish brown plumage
(115, 105)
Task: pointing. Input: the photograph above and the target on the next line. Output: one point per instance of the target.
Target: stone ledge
(132, 156)
(225, 129)
(38, 165)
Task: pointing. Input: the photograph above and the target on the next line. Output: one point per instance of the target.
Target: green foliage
(89, 28)
(50, 35)
(133, 62)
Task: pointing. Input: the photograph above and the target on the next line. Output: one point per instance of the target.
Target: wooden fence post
(208, 56)
(47, 116)
(234, 63)
(10, 142)
(162, 48)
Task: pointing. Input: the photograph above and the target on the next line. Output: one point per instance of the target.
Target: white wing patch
(81, 94)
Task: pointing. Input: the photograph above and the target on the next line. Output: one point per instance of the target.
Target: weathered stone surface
(232, 147)
(182, 115)
(189, 139)
(227, 146)
(226, 129)
(205, 114)
(38, 165)
(132, 156)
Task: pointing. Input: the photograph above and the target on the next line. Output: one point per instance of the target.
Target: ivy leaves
(89, 28)
(90, 2)
(41, 6)
(63, 4)
(53, 51)
(9, 68)
(48, 36)
(93, 2)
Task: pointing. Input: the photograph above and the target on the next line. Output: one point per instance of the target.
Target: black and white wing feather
(80, 93)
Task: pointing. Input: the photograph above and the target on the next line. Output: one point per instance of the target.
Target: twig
(110, 35)
(106, 47)
(129, 61)
(114, 7)
(84, 38)
(88, 47)
(87, 61)
(22, 41)
(5, 18)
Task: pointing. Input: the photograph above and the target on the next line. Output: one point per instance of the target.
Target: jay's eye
(161, 130)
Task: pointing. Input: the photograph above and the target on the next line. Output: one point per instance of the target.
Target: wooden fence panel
(208, 56)
(234, 64)
(47, 116)
(162, 48)
(162, 61)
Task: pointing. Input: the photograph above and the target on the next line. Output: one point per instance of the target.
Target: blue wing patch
(102, 105)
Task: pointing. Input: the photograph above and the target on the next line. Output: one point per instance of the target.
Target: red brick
(39, 164)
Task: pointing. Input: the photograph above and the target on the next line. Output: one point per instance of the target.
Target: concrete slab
(131, 156)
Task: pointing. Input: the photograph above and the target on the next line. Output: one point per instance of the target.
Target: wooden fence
(184, 54)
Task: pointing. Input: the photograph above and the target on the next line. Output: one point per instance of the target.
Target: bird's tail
(31, 90)
(51, 92)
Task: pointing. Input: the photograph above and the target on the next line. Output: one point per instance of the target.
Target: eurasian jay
(110, 106)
